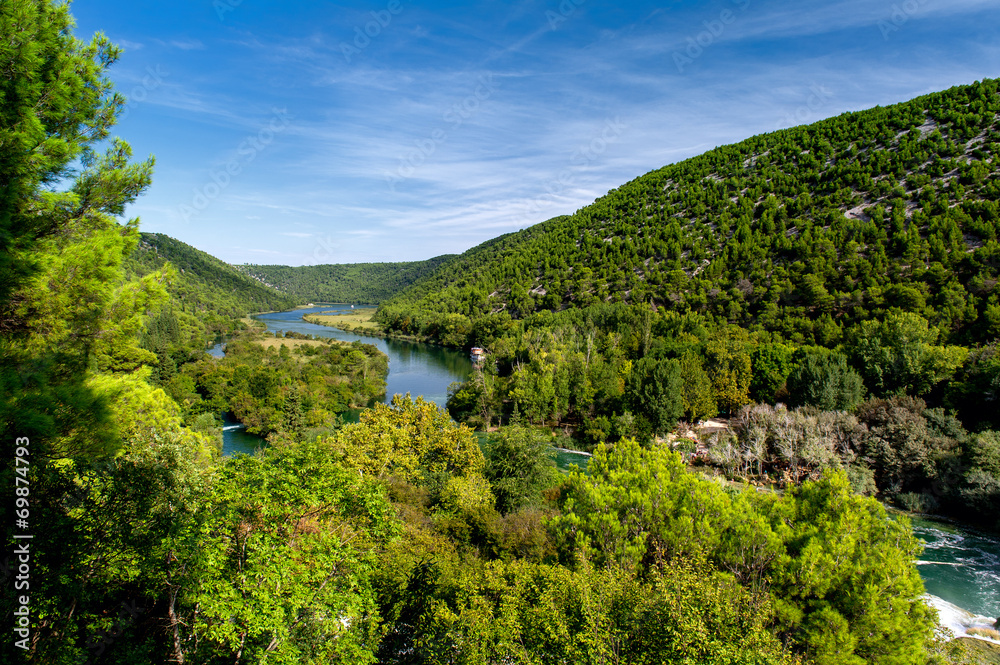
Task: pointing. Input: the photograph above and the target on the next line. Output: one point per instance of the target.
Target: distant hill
(206, 284)
(803, 231)
(363, 283)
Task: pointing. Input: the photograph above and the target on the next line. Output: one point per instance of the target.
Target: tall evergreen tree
(62, 305)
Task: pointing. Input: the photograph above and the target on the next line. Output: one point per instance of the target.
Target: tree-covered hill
(363, 283)
(204, 283)
(803, 231)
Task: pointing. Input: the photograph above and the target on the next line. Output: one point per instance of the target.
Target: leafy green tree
(826, 381)
(44, 132)
(144, 415)
(699, 400)
(61, 308)
(655, 391)
(847, 589)
(981, 492)
(294, 417)
(771, 363)
(105, 564)
(902, 447)
(465, 511)
(730, 367)
(520, 463)
(280, 562)
(407, 439)
(638, 507)
(900, 355)
(529, 613)
(975, 391)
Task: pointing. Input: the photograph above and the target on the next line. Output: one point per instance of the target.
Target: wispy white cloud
(128, 45)
(188, 44)
(320, 191)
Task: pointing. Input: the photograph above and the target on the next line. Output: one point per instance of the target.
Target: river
(960, 567)
(418, 369)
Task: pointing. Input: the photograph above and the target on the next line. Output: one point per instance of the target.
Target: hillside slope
(205, 284)
(365, 283)
(803, 231)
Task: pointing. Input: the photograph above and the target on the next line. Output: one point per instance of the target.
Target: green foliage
(638, 506)
(288, 390)
(905, 450)
(846, 585)
(206, 293)
(144, 415)
(981, 492)
(699, 399)
(520, 612)
(975, 392)
(360, 283)
(520, 463)
(839, 570)
(825, 380)
(282, 557)
(655, 387)
(772, 363)
(64, 308)
(730, 368)
(899, 355)
(411, 440)
(57, 104)
(103, 561)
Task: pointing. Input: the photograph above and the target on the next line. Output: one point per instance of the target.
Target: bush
(917, 503)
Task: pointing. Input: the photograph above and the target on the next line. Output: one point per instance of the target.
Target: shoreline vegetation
(359, 321)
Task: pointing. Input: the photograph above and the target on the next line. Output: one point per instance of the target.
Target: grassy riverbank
(359, 322)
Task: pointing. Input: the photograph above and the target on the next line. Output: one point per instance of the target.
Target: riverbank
(978, 651)
(359, 322)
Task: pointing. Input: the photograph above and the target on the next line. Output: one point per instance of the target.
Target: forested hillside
(803, 231)
(204, 283)
(847, 270)
(361, 283)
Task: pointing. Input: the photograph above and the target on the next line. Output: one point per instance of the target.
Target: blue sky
(301, 133)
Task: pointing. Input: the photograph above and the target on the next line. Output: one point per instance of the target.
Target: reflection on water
(418, 369)
(960, 565)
